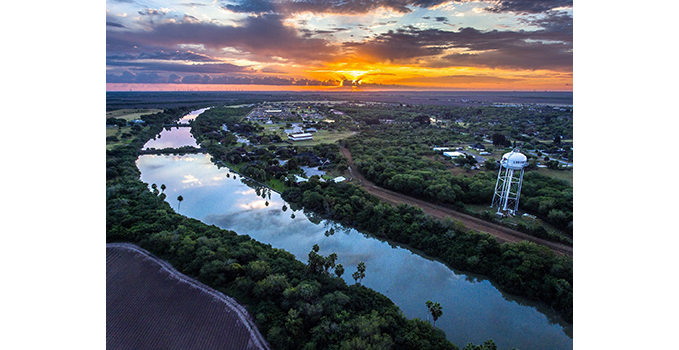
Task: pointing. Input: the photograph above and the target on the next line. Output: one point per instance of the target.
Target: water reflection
(473, 309)
(175, 137)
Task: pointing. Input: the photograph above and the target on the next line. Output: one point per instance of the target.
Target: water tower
(508, 185)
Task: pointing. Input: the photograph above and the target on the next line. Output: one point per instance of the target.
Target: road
(501, 233)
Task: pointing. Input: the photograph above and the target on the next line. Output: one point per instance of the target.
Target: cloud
(142, 78)
(160, 55)
(495, 49)
(345, 7)
(193, 4)
(262, 37)
(153, 12)
(528, 6)
(114, 24)
(155, 78)
(354, 7)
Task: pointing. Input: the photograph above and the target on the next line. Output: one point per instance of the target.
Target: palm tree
(435, 309)
(180, 199)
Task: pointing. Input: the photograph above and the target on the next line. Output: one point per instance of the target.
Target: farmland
(168, 310)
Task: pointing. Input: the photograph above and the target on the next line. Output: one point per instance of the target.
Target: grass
(127, 114)
(130, 114)
(480, 208)
(115, 131)
(565, 175)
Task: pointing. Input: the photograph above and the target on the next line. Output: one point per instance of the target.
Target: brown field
(149, 305)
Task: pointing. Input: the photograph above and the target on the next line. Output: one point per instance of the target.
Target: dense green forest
(524, 268)
(295, 305)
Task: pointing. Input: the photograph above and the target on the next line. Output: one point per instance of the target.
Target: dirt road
(501, 233)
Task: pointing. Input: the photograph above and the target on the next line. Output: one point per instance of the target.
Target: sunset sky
(339, 45)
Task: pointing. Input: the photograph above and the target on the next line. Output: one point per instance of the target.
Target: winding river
(474, 310)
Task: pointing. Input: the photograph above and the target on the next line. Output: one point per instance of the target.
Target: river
(474, 310)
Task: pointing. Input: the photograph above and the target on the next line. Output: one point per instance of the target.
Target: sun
(353, 74)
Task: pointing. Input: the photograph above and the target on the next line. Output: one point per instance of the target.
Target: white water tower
(508, 185)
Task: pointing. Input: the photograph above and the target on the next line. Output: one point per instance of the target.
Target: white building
(300, 137)
(453, 154)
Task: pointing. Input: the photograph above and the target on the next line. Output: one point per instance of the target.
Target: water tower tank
(514, 160)
(509, 179)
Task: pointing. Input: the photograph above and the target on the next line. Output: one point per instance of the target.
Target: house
(478, 147)
(441, 148)
(300, 137)
(339, 179)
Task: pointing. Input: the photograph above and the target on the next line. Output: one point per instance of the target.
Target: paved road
(501, 233)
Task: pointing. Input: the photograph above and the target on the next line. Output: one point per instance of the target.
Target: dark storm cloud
(263, 37)
(498, 49)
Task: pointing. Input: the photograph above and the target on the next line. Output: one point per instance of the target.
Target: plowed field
(149, 305)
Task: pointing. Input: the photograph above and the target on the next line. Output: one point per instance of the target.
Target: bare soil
(501, 233)
(150, 305)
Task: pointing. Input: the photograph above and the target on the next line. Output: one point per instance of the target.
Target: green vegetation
(295, 305)
(435, 309)
(400, 157)
(524, 268)
(300, 306)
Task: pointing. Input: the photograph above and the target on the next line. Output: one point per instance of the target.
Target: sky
(339, 45)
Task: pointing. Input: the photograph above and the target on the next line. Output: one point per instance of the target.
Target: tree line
(525, 268)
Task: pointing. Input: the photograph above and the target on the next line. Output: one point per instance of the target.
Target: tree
(339, 270)
(435, 309)
(500, 140)
(180, 199)
(360, 273)
(163, 187)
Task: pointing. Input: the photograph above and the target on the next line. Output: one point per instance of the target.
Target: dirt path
(501, 233)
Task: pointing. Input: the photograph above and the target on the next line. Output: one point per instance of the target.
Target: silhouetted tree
(360, 273)
(435, 309)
